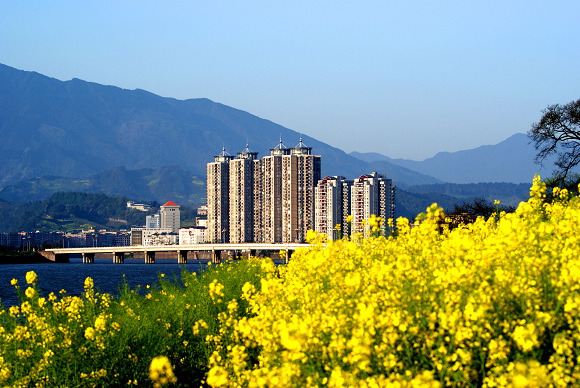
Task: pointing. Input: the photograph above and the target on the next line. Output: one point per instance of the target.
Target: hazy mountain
(74, 135)
(512, 160)
(77, 128)
(401, 176)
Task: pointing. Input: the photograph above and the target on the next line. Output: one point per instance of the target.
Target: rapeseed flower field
(495, 303)
(491, 304)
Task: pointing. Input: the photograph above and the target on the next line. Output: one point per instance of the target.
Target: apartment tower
(245, 197)
(272, 194)
(332, 199)
(371, 194)
(218, 191)
(272, 200)
(300, 174)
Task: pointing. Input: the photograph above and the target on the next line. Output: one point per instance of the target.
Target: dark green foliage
(410, 204)
(69, 211)
(163, 184)
(570, 183)
(506, 193)
(479, 207)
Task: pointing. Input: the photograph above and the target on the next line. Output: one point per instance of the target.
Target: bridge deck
(62, 255)
(175, 248)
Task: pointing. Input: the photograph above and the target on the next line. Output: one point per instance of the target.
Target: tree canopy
(558, 132)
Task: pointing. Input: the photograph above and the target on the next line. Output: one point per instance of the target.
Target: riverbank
(22, 258)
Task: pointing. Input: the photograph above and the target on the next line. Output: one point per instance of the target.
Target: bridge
(61, 255)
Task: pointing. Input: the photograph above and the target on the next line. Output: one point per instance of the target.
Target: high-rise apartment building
(300, 174)
(218, 191)
(279, 198)
(245, 197)
(271, 200)
(332, 199)
(272, 194)
(371, 194)
(169, 216)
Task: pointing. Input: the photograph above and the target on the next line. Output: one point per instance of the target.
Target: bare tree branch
(558, 132)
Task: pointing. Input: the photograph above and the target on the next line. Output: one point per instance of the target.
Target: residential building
(218, 191)
(153, 221)
(139, 206)
(202, 211)
(123, 238)
(279, 198)
(244, 196)
(330, 205)
(300, 174)
(272, 194)
(371, 194)
(192, 236)
(151, 237)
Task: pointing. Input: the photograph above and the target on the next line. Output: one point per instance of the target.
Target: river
(53, 277)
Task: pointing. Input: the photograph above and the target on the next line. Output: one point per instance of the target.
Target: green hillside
(167, 183)
(74, 211)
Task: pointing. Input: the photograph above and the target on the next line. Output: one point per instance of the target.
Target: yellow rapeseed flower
(217, 377)
(161, 372)
(90, 333)
(31, 277)
(30, 292)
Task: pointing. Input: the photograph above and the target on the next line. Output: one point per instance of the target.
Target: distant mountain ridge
(84, 137)
(511, 160)
(76, 128)
(75, 135)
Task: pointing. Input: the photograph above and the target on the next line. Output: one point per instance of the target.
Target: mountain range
(511, 160)
(82, 136)
(76, 128)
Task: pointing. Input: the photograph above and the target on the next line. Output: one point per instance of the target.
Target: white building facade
(192, 236)
(152, 237)
(170, 217)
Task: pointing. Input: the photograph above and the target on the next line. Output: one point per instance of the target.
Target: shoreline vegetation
(23, 257)
(494, 303)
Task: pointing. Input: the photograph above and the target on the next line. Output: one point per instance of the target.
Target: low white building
(139, 206)
(152, 237)
(192, 236)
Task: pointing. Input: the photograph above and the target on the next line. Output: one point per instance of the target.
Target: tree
(558, 132)
(468, 212)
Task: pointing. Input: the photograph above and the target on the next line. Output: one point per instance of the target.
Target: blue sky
(405, 79)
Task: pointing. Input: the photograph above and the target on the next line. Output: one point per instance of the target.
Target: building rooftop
(301, 149)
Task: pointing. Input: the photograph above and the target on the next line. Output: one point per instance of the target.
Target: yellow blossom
(161, 372)
(30, 292)
(31, 277)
